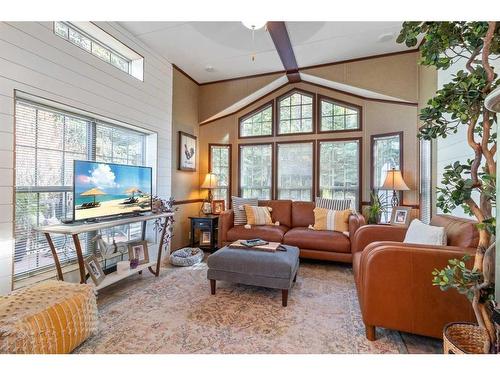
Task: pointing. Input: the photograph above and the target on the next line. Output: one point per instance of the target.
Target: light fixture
(385, 37)
(254, 25)
(209, 183)
(394, 181)
(209, 68)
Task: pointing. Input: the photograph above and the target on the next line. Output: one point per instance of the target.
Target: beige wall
(185, 185)
(377, 118)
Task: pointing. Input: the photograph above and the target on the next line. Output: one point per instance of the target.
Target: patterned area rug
(175, 313)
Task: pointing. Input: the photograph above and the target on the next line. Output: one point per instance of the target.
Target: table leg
(55, 256)
(79, 255)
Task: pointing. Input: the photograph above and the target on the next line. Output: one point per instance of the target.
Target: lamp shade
(394, 181)
(210, 181)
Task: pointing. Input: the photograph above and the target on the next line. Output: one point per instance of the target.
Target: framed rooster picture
(187, 152)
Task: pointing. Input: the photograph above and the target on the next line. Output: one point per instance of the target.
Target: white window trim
(110, 43)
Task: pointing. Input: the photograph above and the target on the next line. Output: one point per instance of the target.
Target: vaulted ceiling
(212, 51)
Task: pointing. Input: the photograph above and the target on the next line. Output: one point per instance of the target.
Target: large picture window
(256, 171)
(295, 113)
(336, 116)
(220, 165)
(258, 123)
(386, 153)
(339, 169)
(47, 142)
(426, 201)
(295, 170)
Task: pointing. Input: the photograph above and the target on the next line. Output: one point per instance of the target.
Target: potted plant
(375, 209)
(471, 184)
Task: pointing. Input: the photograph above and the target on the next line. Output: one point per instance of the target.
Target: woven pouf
(187, 256)
(52, 317)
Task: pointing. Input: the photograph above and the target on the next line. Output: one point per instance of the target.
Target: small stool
(52, 317)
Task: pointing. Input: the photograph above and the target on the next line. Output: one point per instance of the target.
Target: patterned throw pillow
(258, 215)
(334, 204)
(240, 217)
(325, 219)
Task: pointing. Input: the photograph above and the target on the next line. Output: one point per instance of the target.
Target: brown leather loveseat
(394, 279)
(294, 219)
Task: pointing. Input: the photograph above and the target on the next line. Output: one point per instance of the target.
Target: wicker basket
(464, 338)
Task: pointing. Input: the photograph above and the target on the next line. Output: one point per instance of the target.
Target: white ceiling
(228, 46)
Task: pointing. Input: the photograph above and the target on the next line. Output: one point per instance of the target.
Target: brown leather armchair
(394, 279)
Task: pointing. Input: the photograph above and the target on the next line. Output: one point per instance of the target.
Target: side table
(207, 227)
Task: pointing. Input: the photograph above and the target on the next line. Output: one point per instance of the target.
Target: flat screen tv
(106, 189)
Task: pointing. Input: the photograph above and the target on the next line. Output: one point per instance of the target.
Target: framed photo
(400, 215)
(94, 269)
(138, 250)
(218, 206)
(187, 152)
(205, 238)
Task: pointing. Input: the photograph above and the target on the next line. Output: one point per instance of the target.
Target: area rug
(175, 313)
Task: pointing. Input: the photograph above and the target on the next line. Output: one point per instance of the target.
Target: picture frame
(400, 216)
(138, 250)
(94, 269)
(218, 206)
(187, 152)
(205, 238)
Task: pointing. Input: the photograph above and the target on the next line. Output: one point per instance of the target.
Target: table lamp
(209, 183)
(394, 181)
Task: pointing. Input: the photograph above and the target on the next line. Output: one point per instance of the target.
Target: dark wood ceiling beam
(281, 40)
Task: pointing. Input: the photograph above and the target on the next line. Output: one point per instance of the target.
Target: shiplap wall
(35, 61)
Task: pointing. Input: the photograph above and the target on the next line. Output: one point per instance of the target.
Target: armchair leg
(370, 332)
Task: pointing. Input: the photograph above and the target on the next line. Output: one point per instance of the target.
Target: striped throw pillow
(325, 219)
(240, 217)
(258, 215)
(334, 204)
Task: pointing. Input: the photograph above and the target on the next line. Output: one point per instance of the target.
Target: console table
(77, 228)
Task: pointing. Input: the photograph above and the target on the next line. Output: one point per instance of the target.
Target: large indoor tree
(460, 103)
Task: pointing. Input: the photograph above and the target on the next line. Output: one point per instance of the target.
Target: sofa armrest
(226, 222)
(395, 287)
(356, 221)
(373, 233)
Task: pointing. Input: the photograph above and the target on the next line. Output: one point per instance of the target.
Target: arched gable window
(338, 116)
(295, 112)
(258, 123)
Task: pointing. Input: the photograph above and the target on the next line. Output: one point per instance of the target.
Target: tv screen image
(105, 189)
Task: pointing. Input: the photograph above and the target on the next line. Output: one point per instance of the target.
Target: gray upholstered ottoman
(252, 267)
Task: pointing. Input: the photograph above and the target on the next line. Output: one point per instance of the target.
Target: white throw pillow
(423, 234)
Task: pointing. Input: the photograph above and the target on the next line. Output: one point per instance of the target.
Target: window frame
(313, 108)
(261, 108)
(373, 137)
(341, 103)
(273, 164)
(230, 148)
(314, 165)
(92, 121)
(360, 164)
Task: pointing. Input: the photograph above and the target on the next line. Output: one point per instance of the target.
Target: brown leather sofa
(394, 280)
(294, 219)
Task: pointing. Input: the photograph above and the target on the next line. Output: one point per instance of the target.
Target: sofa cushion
(459, 232)
(271, 233)
(281, 211)
(240, 217)
(258, 215)
(325, 240)
(424, 234)
(302, 214)
(325, 219)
